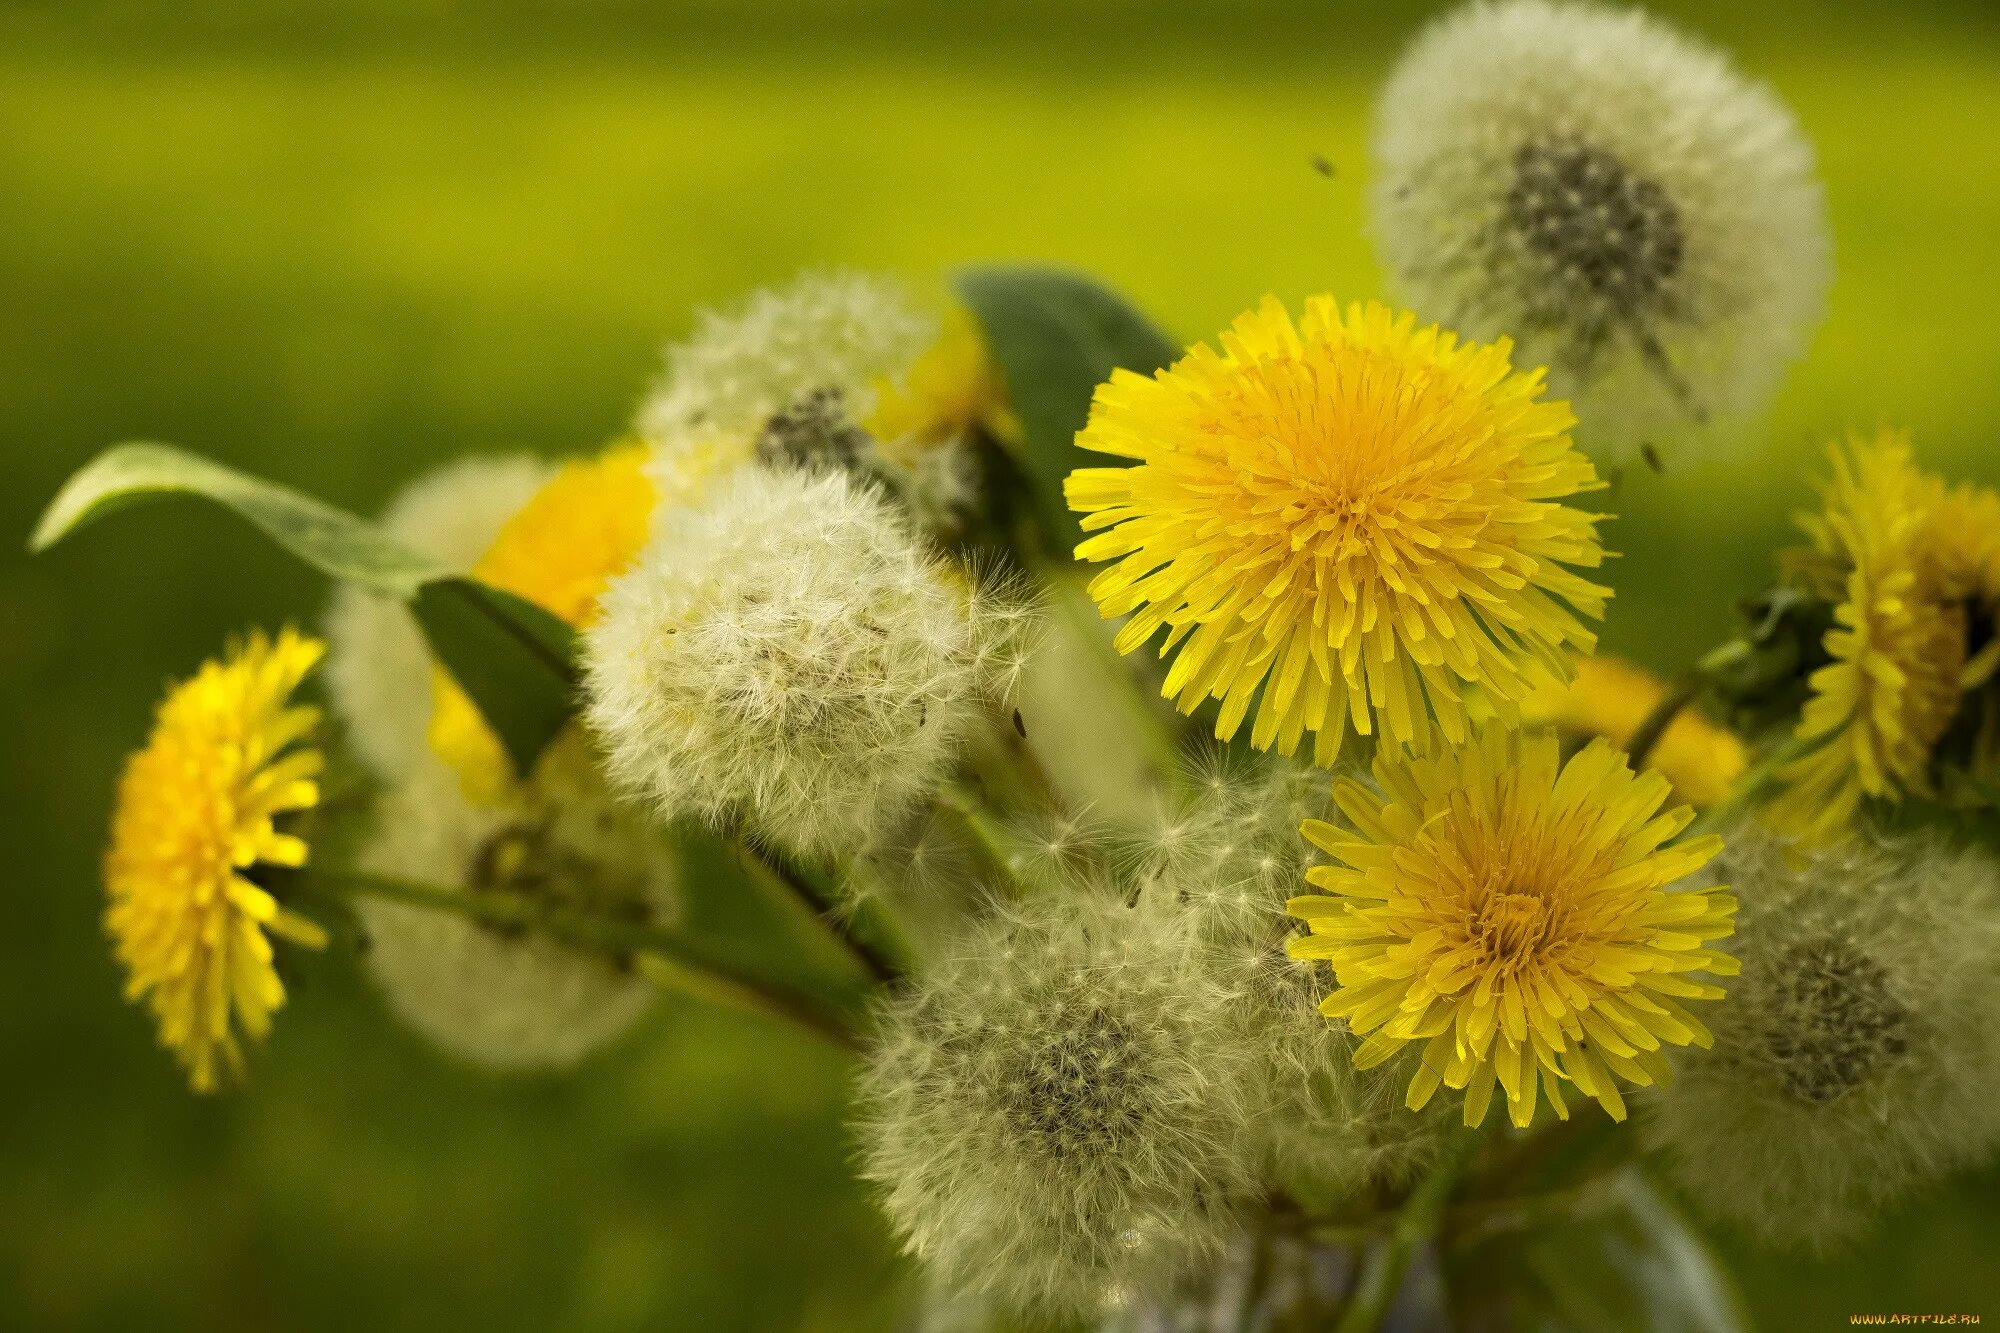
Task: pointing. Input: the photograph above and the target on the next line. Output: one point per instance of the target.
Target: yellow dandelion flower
(1511, 914)
(1961, 552)
(1612, 698)
(581, 530)
(198, 810)
(1361, 516)
(1898, 647)
(950, 389)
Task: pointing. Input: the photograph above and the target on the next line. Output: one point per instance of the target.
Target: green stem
(659, 953)
(1416, 1224)
(983, 833)
(1640, 746)
(1161, 746)
(820, 905)
(1759, 778)
(716, 987)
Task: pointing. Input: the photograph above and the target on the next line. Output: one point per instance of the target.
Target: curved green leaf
(514, 660)
(329, 539)
(1056, 336)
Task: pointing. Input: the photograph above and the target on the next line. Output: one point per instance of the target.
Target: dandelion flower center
(1834, 1020)
(1513, 916)
(1599, 229)
(1359, 516)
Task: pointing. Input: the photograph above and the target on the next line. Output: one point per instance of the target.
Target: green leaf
(329, 539)
(515, 661)
(1056, 336)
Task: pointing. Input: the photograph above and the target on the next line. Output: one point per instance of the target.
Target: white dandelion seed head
(834, 333)
(1614, 196)
(1056, 1113)
(497, 998)
(1226, 845)
(378, 668)
(1857, 1058)
(1325, 1125)
(1225, 852)
(788, 653)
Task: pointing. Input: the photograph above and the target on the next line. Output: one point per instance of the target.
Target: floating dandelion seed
(1858, 1057)
(1360, 516)
(1612, 194)
(378, 667)
(511, 1000)
(1056, 1113)
(199, 814)
(1514, 916)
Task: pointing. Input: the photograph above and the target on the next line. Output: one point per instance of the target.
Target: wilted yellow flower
(582, 529)
(1612, 698)
(197, 812)
(953, 387)
(1359, 515)
(1513, 915)
(1898, 645)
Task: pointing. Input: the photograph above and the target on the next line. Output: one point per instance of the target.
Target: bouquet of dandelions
(1151, 1035)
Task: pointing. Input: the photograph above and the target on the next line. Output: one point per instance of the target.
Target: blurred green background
(338, 244)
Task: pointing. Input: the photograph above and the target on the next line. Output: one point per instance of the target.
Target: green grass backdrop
(338, 244)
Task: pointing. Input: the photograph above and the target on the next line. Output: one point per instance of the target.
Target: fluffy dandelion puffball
(1364, 517)
(200, 809)
(1858, 1057)
(1056, 1113)
(791, 653)
(1642, 219)
(585, 525)
(1514, 917)
(840, 333)
(378, 667)
(1898, 647)
(504, 999)
(1226, 856)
